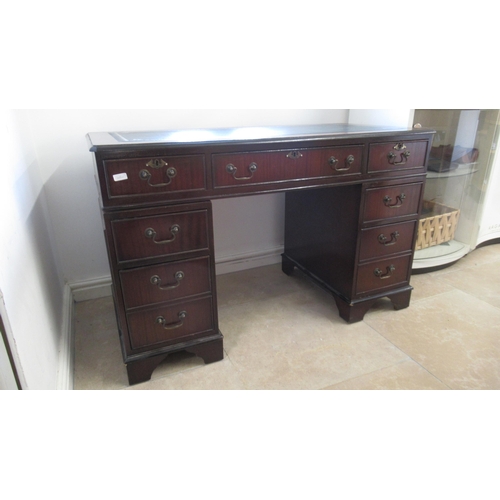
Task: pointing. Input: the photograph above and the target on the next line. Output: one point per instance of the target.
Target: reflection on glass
(460, 160)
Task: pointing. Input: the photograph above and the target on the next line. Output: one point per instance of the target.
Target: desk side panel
(321, 228)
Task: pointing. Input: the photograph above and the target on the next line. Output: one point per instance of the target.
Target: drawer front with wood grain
(386, 240)
(383, 274)
(397, 155)
(265, 167)
(165, 282)
(154, 176)
(170, 323)
(160, 235)
(392, 201)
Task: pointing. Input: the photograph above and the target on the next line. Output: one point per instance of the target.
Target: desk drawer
(383, 274)
(274, 166)
(181, 321)
(392, 201)
(155, 284)
(385, 240)
(153, 176)
(396, 155)
(160, 235)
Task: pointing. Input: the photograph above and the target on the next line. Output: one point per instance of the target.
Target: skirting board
(91, 289)
(241, 262)
(66, 348)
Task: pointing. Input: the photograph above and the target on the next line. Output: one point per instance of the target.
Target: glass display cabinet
(459, 165)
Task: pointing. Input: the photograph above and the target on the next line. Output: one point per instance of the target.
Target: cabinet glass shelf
(463, 169)
(458, 167)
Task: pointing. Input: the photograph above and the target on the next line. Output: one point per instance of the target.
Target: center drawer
(262, 167)
(160, 235)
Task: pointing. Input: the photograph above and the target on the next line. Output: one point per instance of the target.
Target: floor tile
(221, 375)
(98, 356)
(289, 343)
(454, 336)
(489, 254)
(258, 283)
(481, 280)
(428, 285)
(406, 375)
(284, 332)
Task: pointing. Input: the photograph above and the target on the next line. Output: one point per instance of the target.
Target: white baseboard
(66, 348)
(91, 289)
(243, 261)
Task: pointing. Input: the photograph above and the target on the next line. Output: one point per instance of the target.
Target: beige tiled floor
(283, 332)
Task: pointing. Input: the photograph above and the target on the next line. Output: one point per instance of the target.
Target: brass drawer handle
(231, 169)
(379, 274)
(156, 280)
(145, 175)
(151, 233)
(399, 201)
(404, 154)
(382, 239)
(172, 326)
(347, 162)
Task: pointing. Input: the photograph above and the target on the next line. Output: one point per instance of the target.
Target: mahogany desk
(353, 198)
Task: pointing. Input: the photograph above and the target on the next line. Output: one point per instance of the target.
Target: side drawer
(397, 155)
(170, 323)
(174, 280)
(392, 201)
(385, 240)
(264, 167)
(160, 235)
(153, 176)
(383, 274)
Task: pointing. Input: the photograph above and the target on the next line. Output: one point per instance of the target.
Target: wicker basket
(437, 224)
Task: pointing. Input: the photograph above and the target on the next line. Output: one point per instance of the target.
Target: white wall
(241, 226)
(400, 117)
(31, 284)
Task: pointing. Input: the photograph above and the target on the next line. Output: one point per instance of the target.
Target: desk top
(106, 140)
